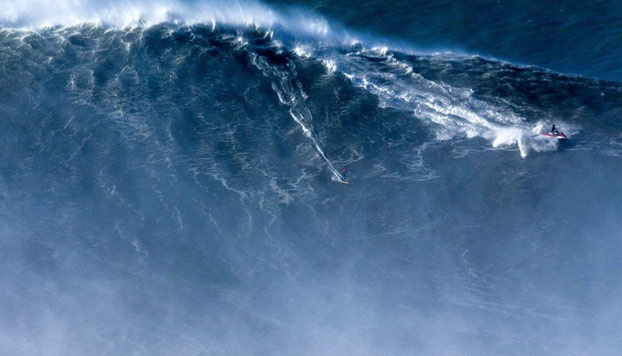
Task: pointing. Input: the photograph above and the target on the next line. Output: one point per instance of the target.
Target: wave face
(173, 188)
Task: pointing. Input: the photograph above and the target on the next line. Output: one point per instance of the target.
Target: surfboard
(345, 182)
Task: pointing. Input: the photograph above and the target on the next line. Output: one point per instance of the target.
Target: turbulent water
(170, 184)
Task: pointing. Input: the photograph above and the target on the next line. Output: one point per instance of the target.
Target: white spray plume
(35, 14)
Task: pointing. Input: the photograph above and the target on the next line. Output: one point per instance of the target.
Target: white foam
(510, 136)
(331, 66)
(302, 51)
(37, 14)
(380, 50)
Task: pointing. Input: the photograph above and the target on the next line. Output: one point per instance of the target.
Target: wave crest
(35, 14)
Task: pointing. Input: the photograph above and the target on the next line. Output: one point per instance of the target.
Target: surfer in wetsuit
(344, 173)
(554, 130)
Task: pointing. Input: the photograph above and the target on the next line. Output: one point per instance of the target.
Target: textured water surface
(173, 187)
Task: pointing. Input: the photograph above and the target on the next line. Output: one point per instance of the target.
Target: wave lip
(35, 14)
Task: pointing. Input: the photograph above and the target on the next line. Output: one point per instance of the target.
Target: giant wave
(167, 186)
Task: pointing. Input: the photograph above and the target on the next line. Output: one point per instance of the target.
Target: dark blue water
(170, 183)
(576, 37)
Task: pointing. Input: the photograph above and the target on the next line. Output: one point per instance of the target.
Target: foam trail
(319, 149)
(452, 111)
(294, 98)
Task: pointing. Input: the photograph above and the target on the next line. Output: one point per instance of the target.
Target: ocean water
(575, 37)
(170, 178)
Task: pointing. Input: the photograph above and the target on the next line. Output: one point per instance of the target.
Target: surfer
(554, 130)
(344, 173)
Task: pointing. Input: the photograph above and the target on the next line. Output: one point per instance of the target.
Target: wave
(414, 83)
(178, 175)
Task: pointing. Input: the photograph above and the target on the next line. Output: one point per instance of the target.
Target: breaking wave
(167, 186)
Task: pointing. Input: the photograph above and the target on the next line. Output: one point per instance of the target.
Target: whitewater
(169, 184)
